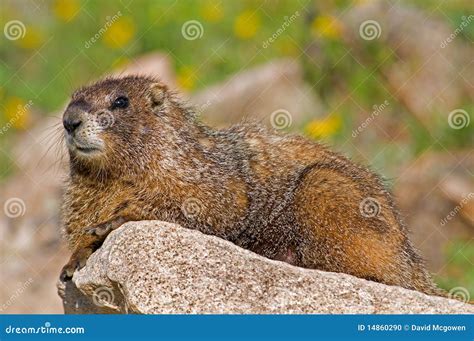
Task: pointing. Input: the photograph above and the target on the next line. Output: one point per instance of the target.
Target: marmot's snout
(85, 123)
(83, 129)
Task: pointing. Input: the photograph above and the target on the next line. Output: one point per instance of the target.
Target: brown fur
(283, 197)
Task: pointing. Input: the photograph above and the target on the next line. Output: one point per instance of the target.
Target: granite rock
(154, 267)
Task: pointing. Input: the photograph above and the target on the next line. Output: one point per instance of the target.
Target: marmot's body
(283, 197)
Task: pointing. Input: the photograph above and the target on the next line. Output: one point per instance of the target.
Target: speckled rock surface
(154, 267)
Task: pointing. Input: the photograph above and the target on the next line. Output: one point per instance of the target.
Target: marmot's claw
(76, 262)
(66, 273)
(61, 286)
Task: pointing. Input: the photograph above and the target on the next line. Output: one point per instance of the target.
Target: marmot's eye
(120, 102)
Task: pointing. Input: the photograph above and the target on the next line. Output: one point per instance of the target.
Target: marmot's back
(319, 210)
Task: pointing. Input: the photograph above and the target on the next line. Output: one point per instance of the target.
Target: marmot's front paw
(67, 272)
(77, 261)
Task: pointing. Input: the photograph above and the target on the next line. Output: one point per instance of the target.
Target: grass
(460, 272)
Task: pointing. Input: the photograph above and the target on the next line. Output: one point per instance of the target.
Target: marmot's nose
(71, 124)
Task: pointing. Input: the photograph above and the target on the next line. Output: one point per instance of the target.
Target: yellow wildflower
(327, 26)
(33, 38)
(17, 112)
(246, 24)
(186, 78)
(212, 11)
(119, 33)
(66, 10)
(320, 128)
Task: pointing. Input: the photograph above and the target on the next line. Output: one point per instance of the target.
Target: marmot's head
(111, 122)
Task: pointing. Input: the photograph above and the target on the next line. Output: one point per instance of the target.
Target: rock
(276, 87)
(154, 267)
(157, 64)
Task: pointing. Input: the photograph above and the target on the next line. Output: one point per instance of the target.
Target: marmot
(137, 152)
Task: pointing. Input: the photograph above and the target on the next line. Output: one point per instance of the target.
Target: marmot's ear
(158, 94)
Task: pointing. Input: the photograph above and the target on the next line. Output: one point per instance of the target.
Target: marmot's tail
(424, 283)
